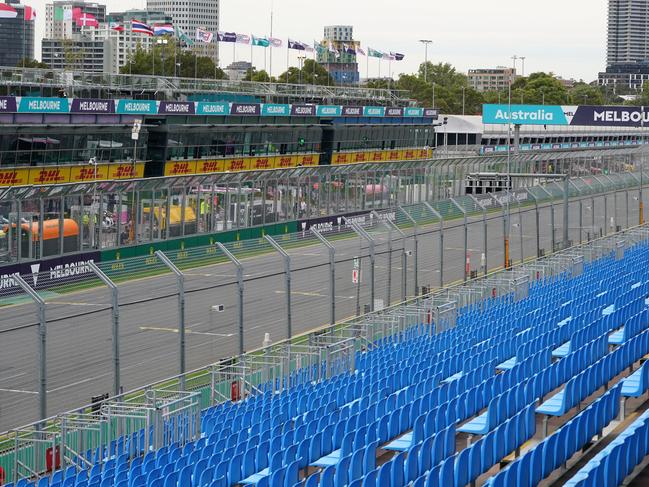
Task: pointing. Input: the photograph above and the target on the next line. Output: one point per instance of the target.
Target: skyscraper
(190, 15)
(16, 36)
(628, 31)
(627, 47)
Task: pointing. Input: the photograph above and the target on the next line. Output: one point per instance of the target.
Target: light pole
(522, 58)
(426, 42)
(463, 99)
(162, 43)
(641, 208)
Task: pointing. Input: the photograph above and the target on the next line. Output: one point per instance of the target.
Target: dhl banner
(340, 158)
(235, 164)
(39, 176)
(14, 177)
(49, 175)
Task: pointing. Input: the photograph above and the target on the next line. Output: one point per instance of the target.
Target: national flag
(260, 41)
(243, 39)
(319, 48)
(387, 56)
(360, 51)
(397, 56)
(58, 14)
(141, 28)
(30, 13)
(332, 49)
(76, 13)
(180, 34)
(275, 42)
(374, 53)
(308, 48)
(347, 49)
(86, 20)
(116, 26)
(226, 36)
(297, 45)
(163, 29)
(7, 11)
(204, 35)
(67, 14)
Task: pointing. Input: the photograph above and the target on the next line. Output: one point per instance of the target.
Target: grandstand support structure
(180, 283)
(114, 295)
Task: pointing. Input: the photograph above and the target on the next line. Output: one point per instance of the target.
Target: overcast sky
(566, 37)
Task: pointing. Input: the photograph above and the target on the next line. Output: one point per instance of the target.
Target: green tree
(258, 76)
(312, 73)
(170, 60)
(31, 63)
(585, 94)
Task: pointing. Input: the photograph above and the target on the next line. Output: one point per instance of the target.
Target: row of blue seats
(555, 450)
(620, 457)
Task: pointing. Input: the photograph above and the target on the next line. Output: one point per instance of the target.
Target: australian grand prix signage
(588, 116)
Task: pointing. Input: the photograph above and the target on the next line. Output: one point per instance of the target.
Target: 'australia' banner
(586, 116)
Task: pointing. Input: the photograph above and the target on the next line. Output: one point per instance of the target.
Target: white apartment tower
(190, 15)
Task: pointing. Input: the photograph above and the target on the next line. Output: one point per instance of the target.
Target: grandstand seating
(413, 392)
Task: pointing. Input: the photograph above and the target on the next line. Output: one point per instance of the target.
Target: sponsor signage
(245, 109)
(8, 104)
(46, 273)
(340, 222)
(212, 108)
(176, 108)
(14, 177)
(413, 112)
(83, 105)
(374, 111)
(49, 175)
(352, 111)
(329, 111)
(394, 112)
(275, 110)
(586, 116)
(431, 113)
(136, 107)
(303, 110)
(43, 105)
(615, 116)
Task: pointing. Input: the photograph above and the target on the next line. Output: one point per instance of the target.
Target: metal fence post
(239, 267)
(566, 202)
(627, 207)
(441, 242)
(404, 263)
(114, 292)
(466, 238)
(332, 272)
(416, 247)
(287, 269)
(42, 345)
(485, 247)
(180, 280)
(370, 241)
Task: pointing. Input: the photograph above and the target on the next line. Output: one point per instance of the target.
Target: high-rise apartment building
(342, 66)
(491, 79)
(59, 23)
(627, 49)
(16, 37)
(190, 15)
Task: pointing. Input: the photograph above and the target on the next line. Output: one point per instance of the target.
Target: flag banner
(243, 39)
(141, 27)
(360, 51)
(226, 36)
(275, 42)
(58, 14)
(374, 53)
(163, 29)
(67, 14)
(387, 56)
(347, 49)
(76, 13)
(116, 26)
(331, 48)
(298, 46)
(30, 13)
(7, 11)
(204, 35)
(260, 41)
(182, 37)
(397, 56)
(86, 20)
(308, 48)
(319, 47)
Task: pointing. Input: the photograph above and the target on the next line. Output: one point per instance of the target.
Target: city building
(190, 15)
(627, 48)
(491, 79)
(16, 37)
(81, 54)
(237, 70)
(59, 23)
(122, 42)
(342, 66)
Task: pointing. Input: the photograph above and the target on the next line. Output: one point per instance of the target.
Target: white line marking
(19, 391)
(187, 331)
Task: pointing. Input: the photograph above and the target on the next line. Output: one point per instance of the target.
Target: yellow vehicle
(175, 219)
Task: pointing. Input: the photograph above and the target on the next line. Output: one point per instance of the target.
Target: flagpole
(24, 36)
(272, 6)
(287, 61)
(251, 58)
(367, 67)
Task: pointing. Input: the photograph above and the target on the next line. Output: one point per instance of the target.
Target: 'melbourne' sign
(610, 116)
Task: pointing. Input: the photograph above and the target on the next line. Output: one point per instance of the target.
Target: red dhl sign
(360, 156)
(84, 174)
(123, 171)
(49, 176)
(179, 168)
(210, 166)
(377, 156)
(393, 155)
(409, 154)
(309, 161)
(14, 177)
(235, 165)
(283, 161)
(262, 163)
(341, 158)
